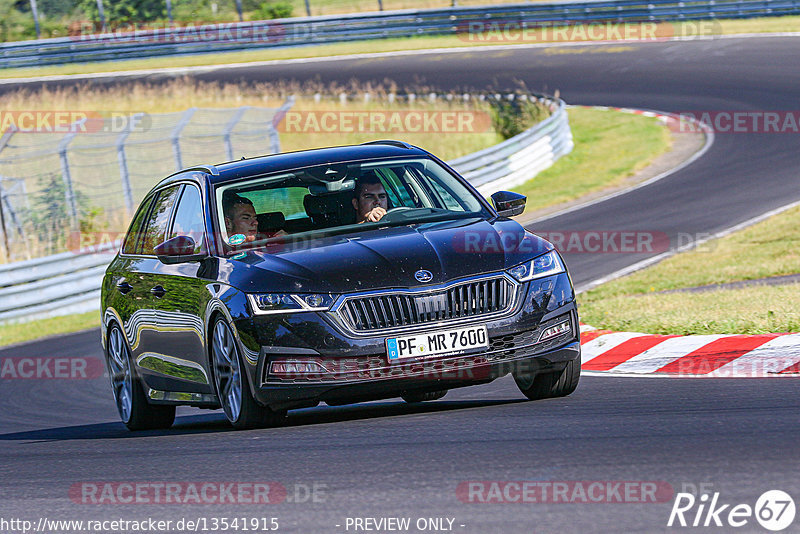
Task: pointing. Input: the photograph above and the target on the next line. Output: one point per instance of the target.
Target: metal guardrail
(110, 163)
(517, 160)
(406, 23)
(55, 285)
(69, 283)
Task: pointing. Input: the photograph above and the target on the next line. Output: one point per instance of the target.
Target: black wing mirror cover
(508, 203)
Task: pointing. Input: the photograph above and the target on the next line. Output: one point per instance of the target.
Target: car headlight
(544, 265)
(264, 303)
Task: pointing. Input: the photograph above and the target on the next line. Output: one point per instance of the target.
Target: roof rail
(208, 169)
(391, 142)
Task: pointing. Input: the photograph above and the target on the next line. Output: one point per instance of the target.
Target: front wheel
(550, 385)
(132, 405)
(230, 383)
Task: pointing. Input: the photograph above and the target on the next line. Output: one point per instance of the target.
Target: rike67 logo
(774, 510)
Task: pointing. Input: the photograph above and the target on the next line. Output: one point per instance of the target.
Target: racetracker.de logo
(386, 121)
(177, 493)
(737, 122)
(180, 33)
(565, 241)
(72, 122)
(50, 368)
(564, 492)
(514, 31)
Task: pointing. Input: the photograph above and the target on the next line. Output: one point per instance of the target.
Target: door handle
(124, 287)
(158, 292)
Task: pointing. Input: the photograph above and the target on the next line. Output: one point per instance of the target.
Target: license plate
(427, 344)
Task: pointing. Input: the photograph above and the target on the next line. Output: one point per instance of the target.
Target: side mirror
(508, 203)
(179, 249)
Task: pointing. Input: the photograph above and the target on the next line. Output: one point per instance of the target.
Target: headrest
(322, 205)
(274, 220)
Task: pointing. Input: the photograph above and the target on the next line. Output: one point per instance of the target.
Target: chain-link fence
(93, 176)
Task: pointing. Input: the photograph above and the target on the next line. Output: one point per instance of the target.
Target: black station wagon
(335, 275)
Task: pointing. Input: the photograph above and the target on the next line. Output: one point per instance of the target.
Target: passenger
(370, 199)
(240, 216)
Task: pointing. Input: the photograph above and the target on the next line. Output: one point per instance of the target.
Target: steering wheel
(397, 209)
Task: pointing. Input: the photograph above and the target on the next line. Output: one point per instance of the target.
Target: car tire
(231, 385)
(134, 409)
(550, 385)
(412, 397)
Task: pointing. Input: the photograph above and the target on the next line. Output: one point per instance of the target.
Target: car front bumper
(350, 369)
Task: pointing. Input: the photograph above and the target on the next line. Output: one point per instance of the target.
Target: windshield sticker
(237, 239)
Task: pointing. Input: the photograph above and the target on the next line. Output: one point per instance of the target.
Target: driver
(370, 199)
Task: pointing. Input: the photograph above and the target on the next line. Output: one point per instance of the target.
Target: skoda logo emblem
(423, 276)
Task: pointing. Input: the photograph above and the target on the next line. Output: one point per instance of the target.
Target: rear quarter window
(136, 228)
(157, 221)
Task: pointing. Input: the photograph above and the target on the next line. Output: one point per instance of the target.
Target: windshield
(340, 198)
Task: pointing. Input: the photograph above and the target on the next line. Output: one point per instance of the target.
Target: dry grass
(180, 94)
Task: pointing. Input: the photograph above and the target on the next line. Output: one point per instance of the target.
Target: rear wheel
(550, 385)
(230, 382)
(132, 405)
(416, 396)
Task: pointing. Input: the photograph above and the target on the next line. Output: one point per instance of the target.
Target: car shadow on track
(216, 422)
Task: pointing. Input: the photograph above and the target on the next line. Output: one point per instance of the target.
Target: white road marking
(664, 353)
(770, 358)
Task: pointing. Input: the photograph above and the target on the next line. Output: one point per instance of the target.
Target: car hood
(384, 257)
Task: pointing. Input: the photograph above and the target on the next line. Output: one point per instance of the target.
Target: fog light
(555, 331)
(295, 368)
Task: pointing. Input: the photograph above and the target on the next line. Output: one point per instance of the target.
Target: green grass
(722, 27)
(609, 146)
(769, 248)
(20, 332)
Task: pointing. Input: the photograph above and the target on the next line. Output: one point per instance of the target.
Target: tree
(126, 11)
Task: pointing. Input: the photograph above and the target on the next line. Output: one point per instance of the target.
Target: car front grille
(491, 296)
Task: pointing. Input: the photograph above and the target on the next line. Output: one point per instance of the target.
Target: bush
(273, 10)
(15, 25)
(126, 10)
(512, 117)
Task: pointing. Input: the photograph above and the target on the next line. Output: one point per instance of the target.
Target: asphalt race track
(389, 459)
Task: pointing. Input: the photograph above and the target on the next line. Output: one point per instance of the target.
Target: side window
(445, 197)
(156, 226)
(189, 219)
(135, 230)
(396, 189)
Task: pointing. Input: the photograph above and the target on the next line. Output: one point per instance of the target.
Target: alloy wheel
(227, 371)
(120, 372)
